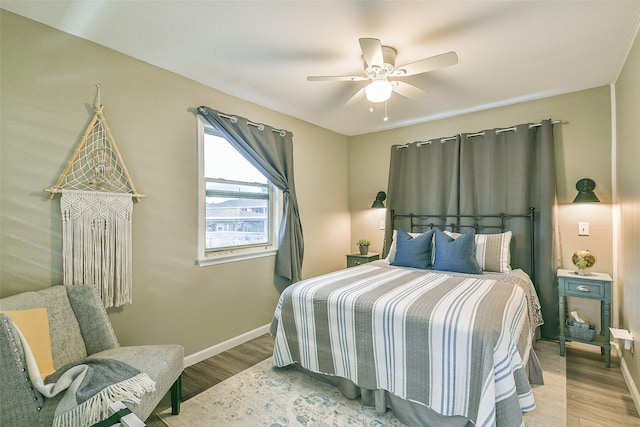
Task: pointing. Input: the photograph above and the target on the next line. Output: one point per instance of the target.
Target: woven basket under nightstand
(580, 332)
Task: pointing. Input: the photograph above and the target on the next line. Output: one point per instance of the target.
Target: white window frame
(204, 257)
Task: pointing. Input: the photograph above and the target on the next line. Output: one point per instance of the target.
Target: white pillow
(493, 251)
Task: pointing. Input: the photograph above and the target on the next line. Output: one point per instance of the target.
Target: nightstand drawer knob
(356, 263)
(583, 289)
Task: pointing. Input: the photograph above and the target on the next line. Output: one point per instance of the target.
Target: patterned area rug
(262, 396)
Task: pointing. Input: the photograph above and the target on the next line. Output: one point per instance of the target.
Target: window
(238, 206)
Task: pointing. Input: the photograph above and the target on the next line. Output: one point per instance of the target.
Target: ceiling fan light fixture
(380, 64)
(379, 90)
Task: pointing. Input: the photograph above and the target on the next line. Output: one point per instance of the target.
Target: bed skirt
(411, 413)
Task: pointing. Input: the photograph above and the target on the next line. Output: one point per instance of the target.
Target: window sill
(226, 257)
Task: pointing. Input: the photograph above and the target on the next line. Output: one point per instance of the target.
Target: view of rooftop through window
(237, 198)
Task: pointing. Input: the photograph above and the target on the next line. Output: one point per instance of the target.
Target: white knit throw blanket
(96, 243)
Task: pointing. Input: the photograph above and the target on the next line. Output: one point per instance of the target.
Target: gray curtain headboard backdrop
(490, 172)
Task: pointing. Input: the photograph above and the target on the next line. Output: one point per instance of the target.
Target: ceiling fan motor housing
(389, 62)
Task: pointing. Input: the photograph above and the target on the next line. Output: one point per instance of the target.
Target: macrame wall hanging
(97, 205)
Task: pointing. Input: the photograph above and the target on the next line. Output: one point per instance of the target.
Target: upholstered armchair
(79, 328)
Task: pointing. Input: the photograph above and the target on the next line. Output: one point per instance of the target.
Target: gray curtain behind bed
(271, 153)
(490, 172)
(423, 177)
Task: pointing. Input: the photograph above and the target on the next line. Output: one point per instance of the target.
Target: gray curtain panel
(508, 171)
(488, 172)
(423, 178)
(272, 154)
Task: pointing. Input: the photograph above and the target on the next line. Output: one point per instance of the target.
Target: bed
(437, 345)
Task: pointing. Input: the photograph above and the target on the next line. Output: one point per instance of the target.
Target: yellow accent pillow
(34, 325)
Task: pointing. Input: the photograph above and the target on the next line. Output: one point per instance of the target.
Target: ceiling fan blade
(372, 52)
(357, 97)
(407, 90)
(336, 78)
(427, 64)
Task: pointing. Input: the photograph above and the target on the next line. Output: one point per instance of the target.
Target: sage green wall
(48, 89)
(628, 200)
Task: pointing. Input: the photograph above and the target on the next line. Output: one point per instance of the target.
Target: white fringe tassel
(97, 408)
(96, 243)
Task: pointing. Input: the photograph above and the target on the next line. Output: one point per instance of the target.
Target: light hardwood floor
(596, 396)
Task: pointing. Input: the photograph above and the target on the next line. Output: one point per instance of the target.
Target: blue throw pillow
(413, 251)
(456, 254)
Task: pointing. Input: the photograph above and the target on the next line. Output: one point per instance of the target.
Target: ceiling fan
(380, 65)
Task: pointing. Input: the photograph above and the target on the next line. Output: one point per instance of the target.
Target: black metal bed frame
(425, 222)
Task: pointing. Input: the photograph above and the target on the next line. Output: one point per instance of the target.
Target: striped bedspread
(455, 343)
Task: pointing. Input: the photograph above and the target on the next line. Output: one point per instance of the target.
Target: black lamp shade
(586, 197)
(585, 187)
(380, 197)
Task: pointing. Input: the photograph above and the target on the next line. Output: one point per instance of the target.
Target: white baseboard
(633, 390)
(224, 346)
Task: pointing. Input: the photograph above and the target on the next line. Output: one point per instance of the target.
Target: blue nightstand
(592, 286)
(356, 259)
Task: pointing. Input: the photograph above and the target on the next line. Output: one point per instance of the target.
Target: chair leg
(176, 396)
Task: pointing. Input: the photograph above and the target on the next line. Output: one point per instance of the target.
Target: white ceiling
(262, 51)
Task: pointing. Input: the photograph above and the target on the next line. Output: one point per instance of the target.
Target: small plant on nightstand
(363, 245)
